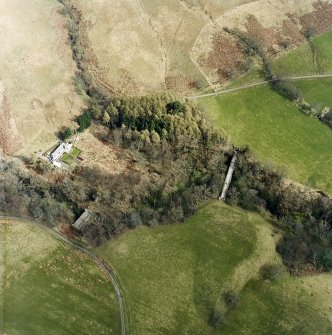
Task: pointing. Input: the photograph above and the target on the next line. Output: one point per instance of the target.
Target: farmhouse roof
(63, 147)
(59, 150)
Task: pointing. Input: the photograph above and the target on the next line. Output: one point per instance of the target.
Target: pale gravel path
(236, 89)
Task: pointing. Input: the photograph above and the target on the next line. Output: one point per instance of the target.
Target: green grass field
(316, 91)
(253, 76)
(295, 63)
(50, 289)
(323, 44)
(273, 127)
(300, 61)
(277, 132)
(173, 276)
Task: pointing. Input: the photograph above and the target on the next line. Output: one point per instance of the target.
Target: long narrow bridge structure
(229, 176)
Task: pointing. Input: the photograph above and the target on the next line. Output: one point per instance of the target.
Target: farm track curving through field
(236, 89)
(62, 238)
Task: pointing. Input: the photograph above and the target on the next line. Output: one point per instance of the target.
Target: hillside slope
(36, 73)
(174, 277)
(131, 47)
(279, 26)
(139, 46)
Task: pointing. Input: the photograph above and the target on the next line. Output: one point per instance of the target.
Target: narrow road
(235, 89)
(109, 273)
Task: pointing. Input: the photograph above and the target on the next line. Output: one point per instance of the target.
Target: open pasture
(174, 276)
(47, 288)
(276, 132)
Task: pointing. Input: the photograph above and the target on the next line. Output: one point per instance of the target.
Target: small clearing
(96, 152)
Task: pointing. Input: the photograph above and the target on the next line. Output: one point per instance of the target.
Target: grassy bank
(317, 92)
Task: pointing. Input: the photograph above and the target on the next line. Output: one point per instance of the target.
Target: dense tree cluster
(23, 193)
(65, 133)
(83, 80)
(170, 180)
(84, 121)
(139, 113)
(180, 162)
(306, 220)
(154, 118)
(184, 163)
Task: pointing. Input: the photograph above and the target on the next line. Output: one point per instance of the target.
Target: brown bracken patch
(179, 83)
(227, 55)
(271, 38)
(276, 39)
(292, 34)
(320, 18)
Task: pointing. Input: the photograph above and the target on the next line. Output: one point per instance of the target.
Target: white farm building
(58, 152)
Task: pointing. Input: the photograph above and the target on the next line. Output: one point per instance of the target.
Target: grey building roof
(83, 219)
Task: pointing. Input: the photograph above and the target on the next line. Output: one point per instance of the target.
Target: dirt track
(230, 90)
